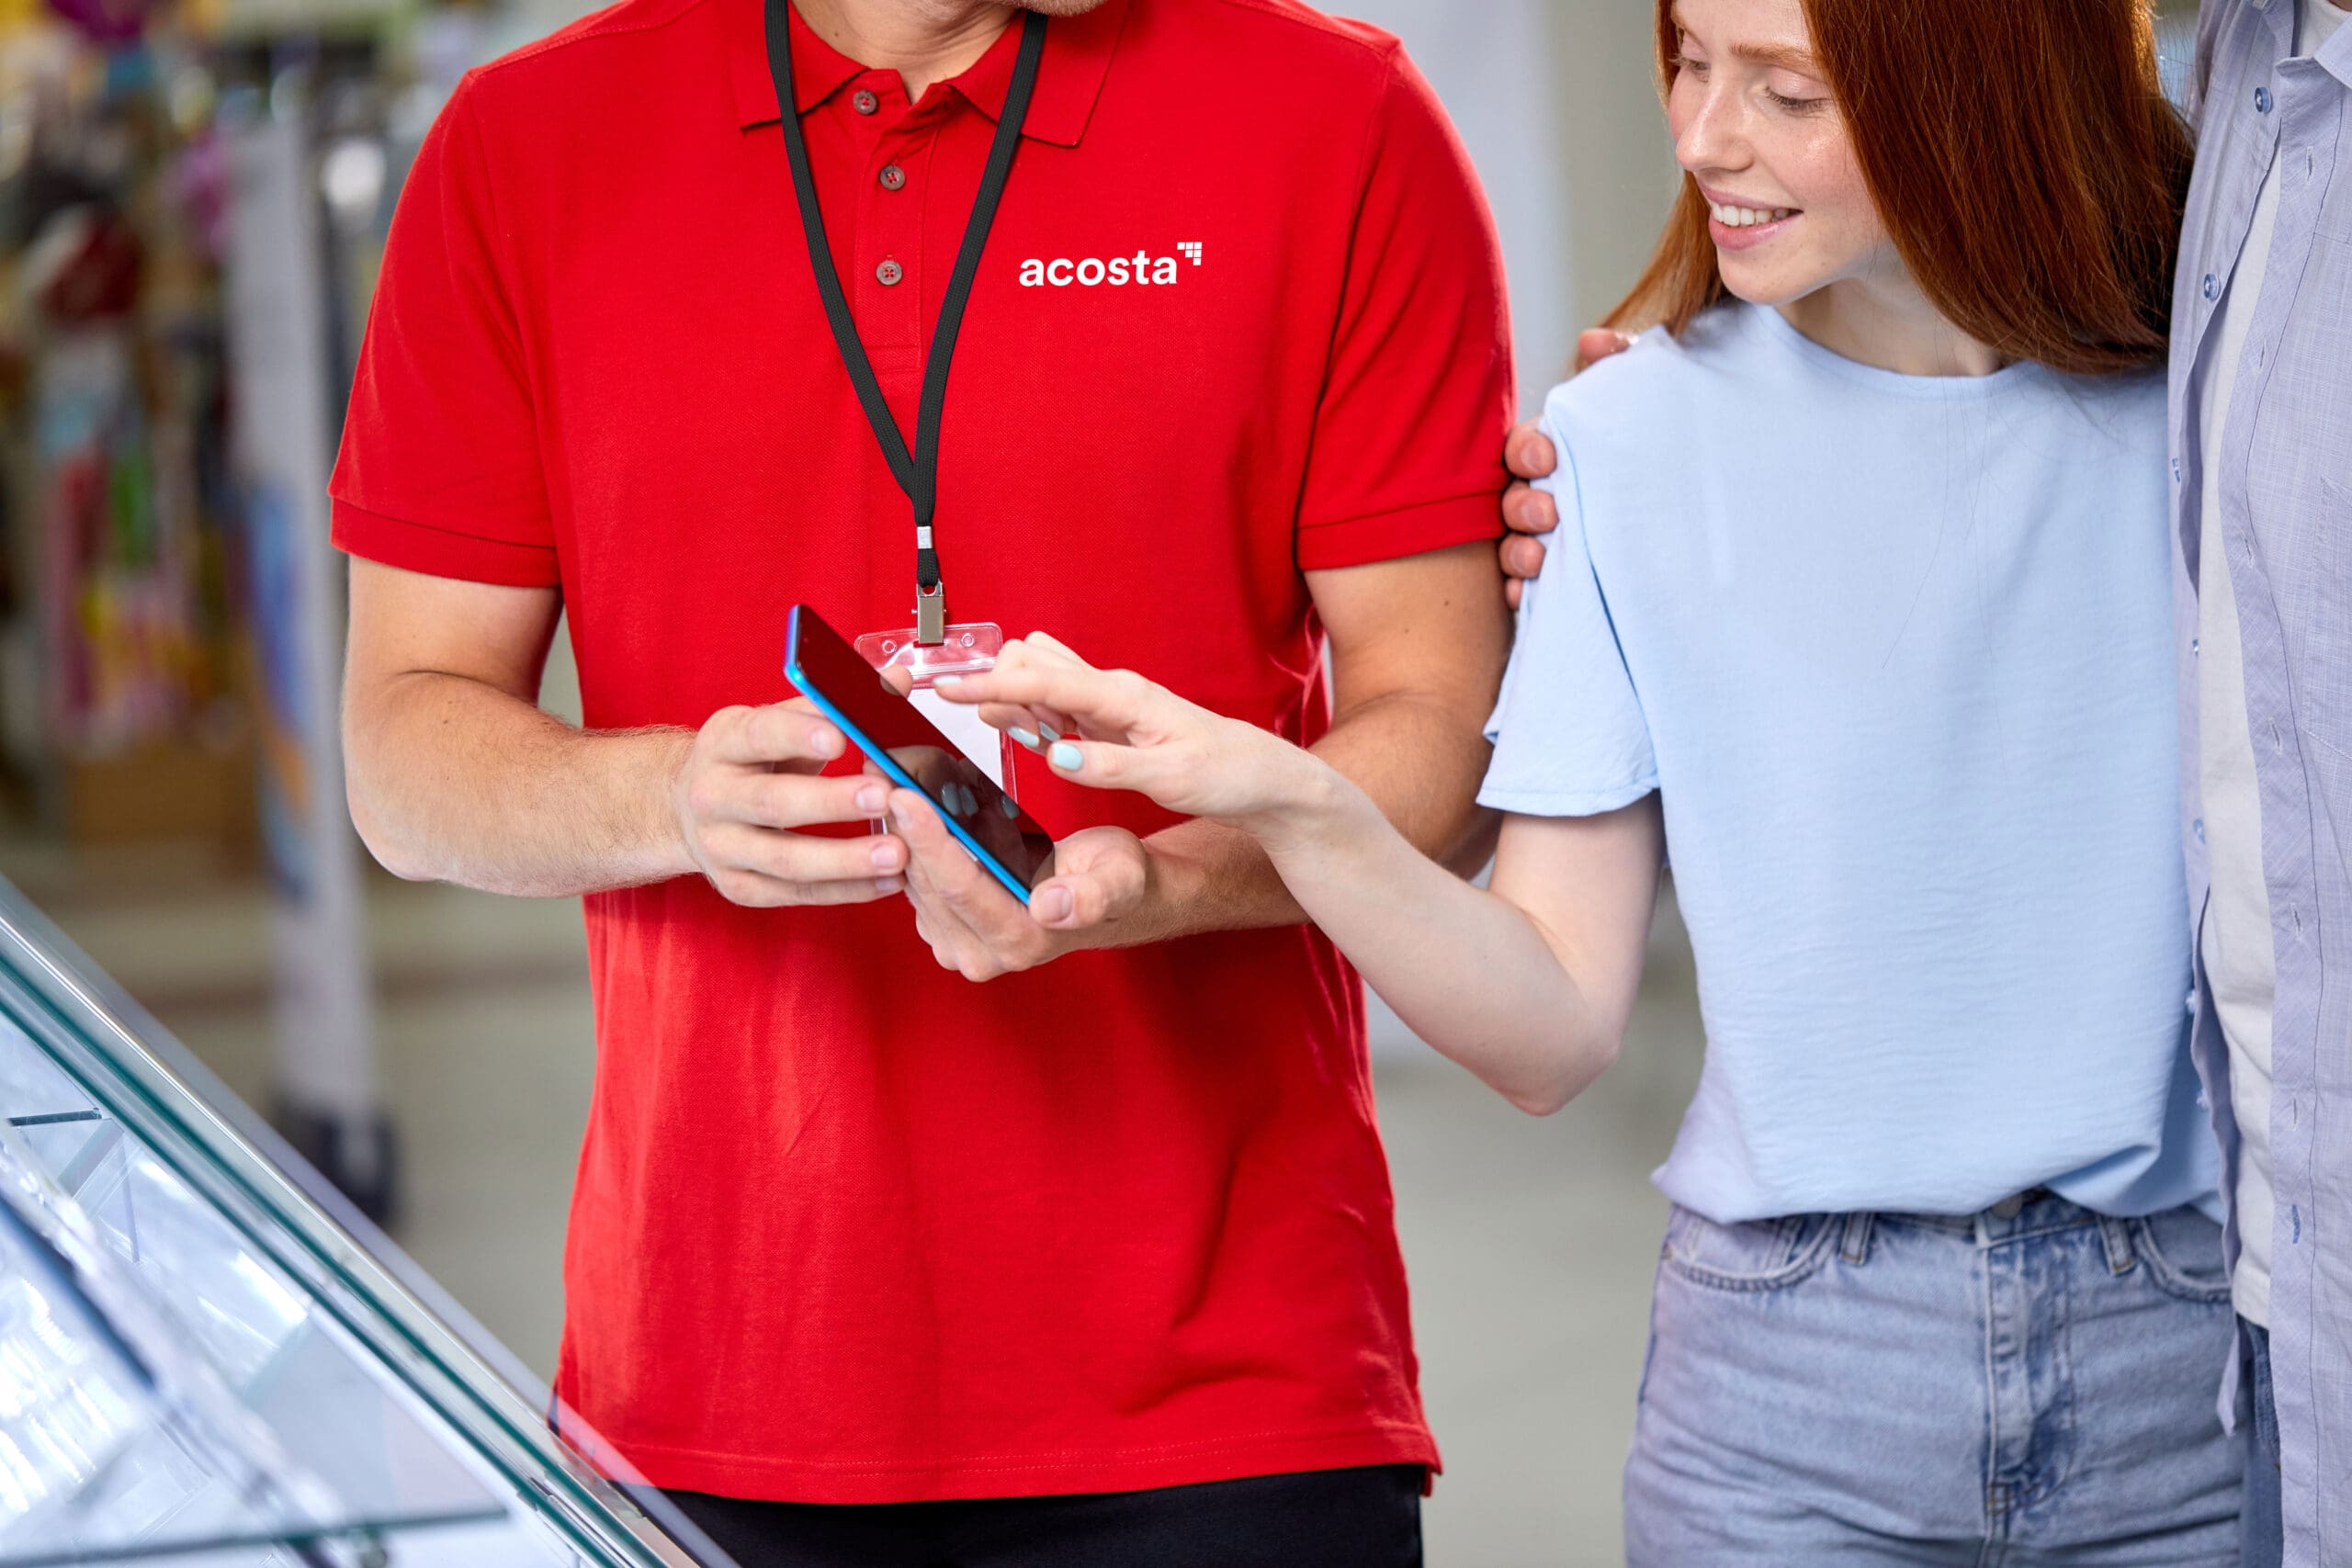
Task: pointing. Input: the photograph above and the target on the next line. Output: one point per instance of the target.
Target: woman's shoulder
(2135, 399)
(2120, 416)
(1647, 395)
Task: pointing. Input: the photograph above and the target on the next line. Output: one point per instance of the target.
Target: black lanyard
(917, 472)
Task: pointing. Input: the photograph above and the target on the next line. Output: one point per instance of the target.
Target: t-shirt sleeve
(439, 470)
(1569, 736)
(1407, 445)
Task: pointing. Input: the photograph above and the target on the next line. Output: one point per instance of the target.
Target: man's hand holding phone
(1100, 893)
(752, 779)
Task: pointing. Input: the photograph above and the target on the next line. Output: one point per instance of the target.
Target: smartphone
(899, 740)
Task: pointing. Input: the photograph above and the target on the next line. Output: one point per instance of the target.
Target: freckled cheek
(1825, 179)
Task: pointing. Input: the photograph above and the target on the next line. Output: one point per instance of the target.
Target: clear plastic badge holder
(965, 648)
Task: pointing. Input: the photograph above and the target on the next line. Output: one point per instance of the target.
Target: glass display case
(206, 1356)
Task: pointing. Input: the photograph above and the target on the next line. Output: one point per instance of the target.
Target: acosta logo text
(1090, 272)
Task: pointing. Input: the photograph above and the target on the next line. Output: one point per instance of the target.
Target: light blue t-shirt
(1895, 650)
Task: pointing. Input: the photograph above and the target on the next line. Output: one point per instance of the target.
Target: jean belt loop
(2117, 1235)
(1855, 1246)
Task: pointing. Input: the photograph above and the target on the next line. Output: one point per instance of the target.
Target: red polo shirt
(846, 1227)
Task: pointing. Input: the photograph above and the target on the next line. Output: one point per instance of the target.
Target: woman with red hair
(1860, 609)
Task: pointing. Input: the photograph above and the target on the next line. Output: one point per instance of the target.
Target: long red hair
(2021, 156)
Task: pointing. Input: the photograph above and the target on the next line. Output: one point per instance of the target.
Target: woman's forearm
(1472, 974)
(1528, 986)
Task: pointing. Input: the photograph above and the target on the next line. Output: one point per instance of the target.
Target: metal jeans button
(2009, 1207)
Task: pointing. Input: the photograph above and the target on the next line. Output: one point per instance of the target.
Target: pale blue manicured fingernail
(1066, 757)
(1049, 731)
(1026, 737)
(1009, 806)
(947, 680)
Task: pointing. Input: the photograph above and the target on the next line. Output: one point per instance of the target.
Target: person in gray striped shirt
(2261, 442)
(2261, 473)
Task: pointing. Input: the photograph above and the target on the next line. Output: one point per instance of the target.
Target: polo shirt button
(2197, 827)
(863, 101)
(892, 176)
(2195, 646)
(2191, 1002)
(2262, 100)
(2176, 470)
(889, 274)
(2213, 287)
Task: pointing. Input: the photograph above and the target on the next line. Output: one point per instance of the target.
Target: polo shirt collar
(1070, 77)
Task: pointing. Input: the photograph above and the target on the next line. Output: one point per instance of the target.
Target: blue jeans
(2266, 1524)
(2030, 1387)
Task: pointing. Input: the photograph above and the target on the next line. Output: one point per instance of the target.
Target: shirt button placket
(890, 229)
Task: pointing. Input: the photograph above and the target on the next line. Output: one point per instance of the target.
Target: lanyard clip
(930, 615)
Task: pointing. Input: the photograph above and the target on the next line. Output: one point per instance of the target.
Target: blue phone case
(884, 760)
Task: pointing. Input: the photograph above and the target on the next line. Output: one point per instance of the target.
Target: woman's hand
(1114, 730)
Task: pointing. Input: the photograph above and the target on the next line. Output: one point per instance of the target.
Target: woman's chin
(1763, 285)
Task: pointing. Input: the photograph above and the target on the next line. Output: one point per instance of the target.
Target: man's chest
(1125, 329)
(1124, 436)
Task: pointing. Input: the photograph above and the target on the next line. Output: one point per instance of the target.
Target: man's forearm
(453, 780)
(1412, 754)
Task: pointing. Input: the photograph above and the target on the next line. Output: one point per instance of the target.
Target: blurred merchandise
(132, 624)
(120, 655)
(193, 197)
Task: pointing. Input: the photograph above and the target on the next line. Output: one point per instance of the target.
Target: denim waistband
(2035, 1211)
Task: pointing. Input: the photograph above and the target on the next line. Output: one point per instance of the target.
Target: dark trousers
(1331, 1519)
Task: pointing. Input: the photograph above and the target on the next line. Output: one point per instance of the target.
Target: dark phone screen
(825, 666)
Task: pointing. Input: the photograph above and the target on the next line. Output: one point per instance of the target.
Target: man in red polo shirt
(1094, 1263)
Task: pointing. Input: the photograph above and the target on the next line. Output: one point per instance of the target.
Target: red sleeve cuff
(1408, 531)
(438, 552)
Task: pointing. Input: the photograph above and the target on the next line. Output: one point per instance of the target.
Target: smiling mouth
(1732, 217)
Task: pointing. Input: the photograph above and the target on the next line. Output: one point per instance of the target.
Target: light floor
(1530, 1243)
